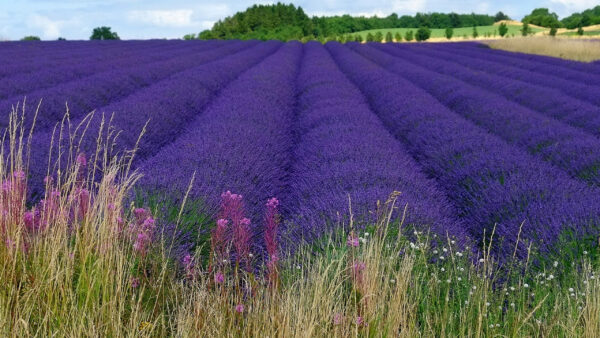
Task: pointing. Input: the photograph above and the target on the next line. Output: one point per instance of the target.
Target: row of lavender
(320, 127)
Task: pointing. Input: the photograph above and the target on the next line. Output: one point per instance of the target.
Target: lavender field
(476, 140)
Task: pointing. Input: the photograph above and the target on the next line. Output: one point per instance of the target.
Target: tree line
(288, 22)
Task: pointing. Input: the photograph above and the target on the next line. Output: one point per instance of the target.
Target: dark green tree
(502, 29)
(60, 38)
(580, 30)
(31, 38)
(475, 33)
(500, 16)
(378, 36)
(190, 36)
(449, 32)
(104, 33)
(541, 17)
(553, 30)
(398, 37)
(389, 37)
(423, 33)
(408, 36)
(370, 37)
(525, 30)
(358, 38)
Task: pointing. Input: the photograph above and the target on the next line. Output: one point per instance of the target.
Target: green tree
(358, 38)
(31, 38)
(580, 30)
(525, 30)
(408, 36)
(370, 37)
(502, 29)
(398, 37)
(378, 36)
(449, 32)
(423, 33)
(60, 38)
(553, 30)
(190, 36)
(500, 16)
(104, 33)
(388, 37)
(475, 33)
(541, 17)
(206, 35)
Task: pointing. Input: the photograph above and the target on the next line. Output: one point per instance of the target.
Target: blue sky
(141, 19)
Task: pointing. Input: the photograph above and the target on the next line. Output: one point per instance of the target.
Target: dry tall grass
(585, 50)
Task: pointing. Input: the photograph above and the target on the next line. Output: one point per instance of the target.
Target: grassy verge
(565, 48)
(84, 262)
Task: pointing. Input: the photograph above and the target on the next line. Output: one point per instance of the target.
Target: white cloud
(170, 18)
(576, 5)
(408, 6)
(50, 28)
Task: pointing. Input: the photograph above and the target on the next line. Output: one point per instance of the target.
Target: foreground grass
(565, 48)
(85, 268)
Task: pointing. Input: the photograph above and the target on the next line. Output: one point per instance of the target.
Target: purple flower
(239, 308)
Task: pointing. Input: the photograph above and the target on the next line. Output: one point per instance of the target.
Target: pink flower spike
(81, 160)
(272, 203)
(219, 278)
(352, 240)
(222, 223)
(337, 318)
(239, 308)
(135, 282)
(48, 180)
(360, 321)
(28, 219)
(20, 174)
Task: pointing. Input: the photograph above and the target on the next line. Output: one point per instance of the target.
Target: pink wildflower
(219, 240)
(140, 215)
(141, 243)
(29, 220)
(360, 321)
(188, 264)
(357, 273)
(219, 277)
(81, 160)
(338, 318)
(239, 308)
(271, 224)
(84, 201)
(19, 174)
(241, 234)
(352, 240)
(135, 282)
